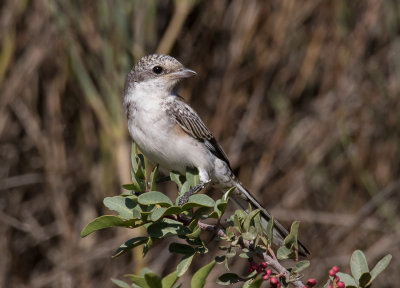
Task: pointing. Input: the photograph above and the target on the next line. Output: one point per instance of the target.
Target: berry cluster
(335, 279)
(273, 279)
(267, 273)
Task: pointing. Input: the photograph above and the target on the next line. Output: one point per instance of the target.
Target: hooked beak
(182, 73)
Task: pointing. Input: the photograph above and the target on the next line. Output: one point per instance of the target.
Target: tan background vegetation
(302, 95)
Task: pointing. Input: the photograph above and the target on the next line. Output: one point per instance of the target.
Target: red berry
(265, 277)
(311, 282)
(340, 284)
(335, 268)
(304, 287)
(330, 286)
(332, 272)
(251, 269)
(278, 285)
(337, 279)
(263, 265)
(269, 271)
(274, 281)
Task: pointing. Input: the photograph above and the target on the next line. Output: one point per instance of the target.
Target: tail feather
(243, 198)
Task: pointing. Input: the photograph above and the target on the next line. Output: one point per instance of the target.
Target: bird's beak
(182, 73)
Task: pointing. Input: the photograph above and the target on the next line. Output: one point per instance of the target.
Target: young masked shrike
(170, 133)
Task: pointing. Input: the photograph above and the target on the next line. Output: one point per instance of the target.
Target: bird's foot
(185, 197)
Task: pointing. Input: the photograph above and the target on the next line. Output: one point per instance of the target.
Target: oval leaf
(248, 219)
(358, 264)
(130, 244)
(199, 278)
(183, 266)
(163, 229)
(380, 266)
(154, 197)
(162, 212)
(364, 279)
(181, 248)
(157, 213)
(229, 278)
(198, 200)
(106, 221)
(300, 266)
(139, 281)
(153, 280)
(169, 280)
(123, 205)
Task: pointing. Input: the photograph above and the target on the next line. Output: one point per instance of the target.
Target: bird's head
(158, 71)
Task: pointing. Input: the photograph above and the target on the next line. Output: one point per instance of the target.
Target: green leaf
(183, 266)
(249, 236)
(154, 197)
(153, 280)
(169, 280)
(175, 176)
(157, 213)
(192, 176)
(221, 205)
(256, 283)
(134, 152)
(132, 187)
(358, 264)
(270, 229)
(181, 248)
(122, 205)
(228, 193)
(198, 200)
(229, 278)
(120, 283)
(347, 279)
(300, 266)
(162, 212)
(164, 229)
(364, 279)
(196, 233)
(380, 266)
(106, 221)
(236, 222)
(147, 246)
(201, 212)
(130, 244)
(153, 176)
(258, 225)
(199, 278)
(291, 239)
(241, 215)
(185, 188)
(284, 253)
(139, 281)
(249, 217)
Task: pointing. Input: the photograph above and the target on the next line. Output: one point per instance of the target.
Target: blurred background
(302, 95)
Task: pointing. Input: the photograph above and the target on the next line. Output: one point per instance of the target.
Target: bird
(171, 134)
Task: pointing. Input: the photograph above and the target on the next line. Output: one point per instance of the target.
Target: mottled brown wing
(191, 123)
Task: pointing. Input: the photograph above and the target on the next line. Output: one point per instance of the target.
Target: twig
(271, 261)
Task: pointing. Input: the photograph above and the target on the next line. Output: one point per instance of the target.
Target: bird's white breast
(157, 134)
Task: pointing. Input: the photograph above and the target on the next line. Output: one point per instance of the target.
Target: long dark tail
(243, 199)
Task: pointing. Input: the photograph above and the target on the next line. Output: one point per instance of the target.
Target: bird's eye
(157, 69)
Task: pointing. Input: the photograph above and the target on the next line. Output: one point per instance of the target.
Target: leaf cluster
(362, 276)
